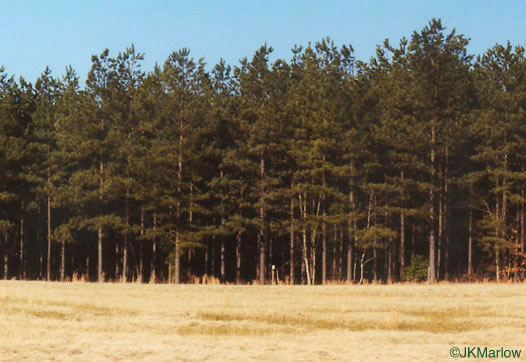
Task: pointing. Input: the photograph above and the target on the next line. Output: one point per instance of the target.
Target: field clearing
(87, 321)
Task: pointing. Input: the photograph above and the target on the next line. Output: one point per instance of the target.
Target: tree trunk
(340, 255)
(140, 275)
(141, 264)
(432, 276)
(99, 231)
(213, 256)
(87, 268)
(305, 257)
(206, 258)
(504, 203)
(21, 272)
(334, 267)
(470, 242)
(48, 266)
(62, 259)
(125, 242)
(440, 229)
(6, 257)
(446, 209)
(99, 250)
(117, 266)
(362, 265)
(323, 235)
(413, 240)
(350, 246)
(223, 276)
(190, 220)
(177, 256)
(497, 231)
(324, 255)
(375, 256)
(153, 277)
(261, 235)
(402, 228)
(523, 224)
(238, 257)
(390, 262)
(390, 251)
(291, 237)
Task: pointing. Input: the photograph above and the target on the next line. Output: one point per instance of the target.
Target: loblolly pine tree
(183, 80)
(500, 74)
(434, 59)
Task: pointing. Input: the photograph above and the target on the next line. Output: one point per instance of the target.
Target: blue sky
(58, 33)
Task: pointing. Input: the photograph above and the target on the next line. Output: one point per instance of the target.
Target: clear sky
(58, 33)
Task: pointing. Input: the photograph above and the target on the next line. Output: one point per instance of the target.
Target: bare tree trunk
(125, 242)
(350, 246)
(261, 235)
(48, 266)
(362, 265)
(497, 231)
(189, 271)
(213, 256)
(523, 224)
(206, 258)
(223, 276)
(413, 240)
(324, 255)
(292, 237)
(334, 267)
(340, 255)
(305, 259)
(153, 277)
(117, 264)
(432, 277)
(504, 202)
(48, 276)
(169, 271)
(390, 251)
(446, 209)
(302, 266)
(86, 271)
(402, 228)
(141, 242)
(375, 259)
(390, 263)
(99, 252)
(313, 259)
(324, 235)
(190, 220)
(21, 272)
(238, 257)
(141, 264)
(40, 247)
(269, 246)
(440, 224)
(6, 257)
(63, 259)
(470, 242)
(177, 256)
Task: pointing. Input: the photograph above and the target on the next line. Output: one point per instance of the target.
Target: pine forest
(317, 169)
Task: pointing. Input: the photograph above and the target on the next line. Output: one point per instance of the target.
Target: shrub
(417, 269)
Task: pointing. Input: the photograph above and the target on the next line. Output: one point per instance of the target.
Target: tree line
(316, 169)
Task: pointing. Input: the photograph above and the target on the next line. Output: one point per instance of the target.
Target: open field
(84, 321)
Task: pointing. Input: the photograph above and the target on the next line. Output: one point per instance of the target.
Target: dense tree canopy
(319, 168)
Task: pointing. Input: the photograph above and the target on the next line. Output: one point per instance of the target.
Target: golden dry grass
(83, 321)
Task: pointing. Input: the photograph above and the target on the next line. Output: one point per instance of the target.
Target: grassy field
(84, 321)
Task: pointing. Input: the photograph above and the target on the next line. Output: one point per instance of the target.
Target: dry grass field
(85, 321)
